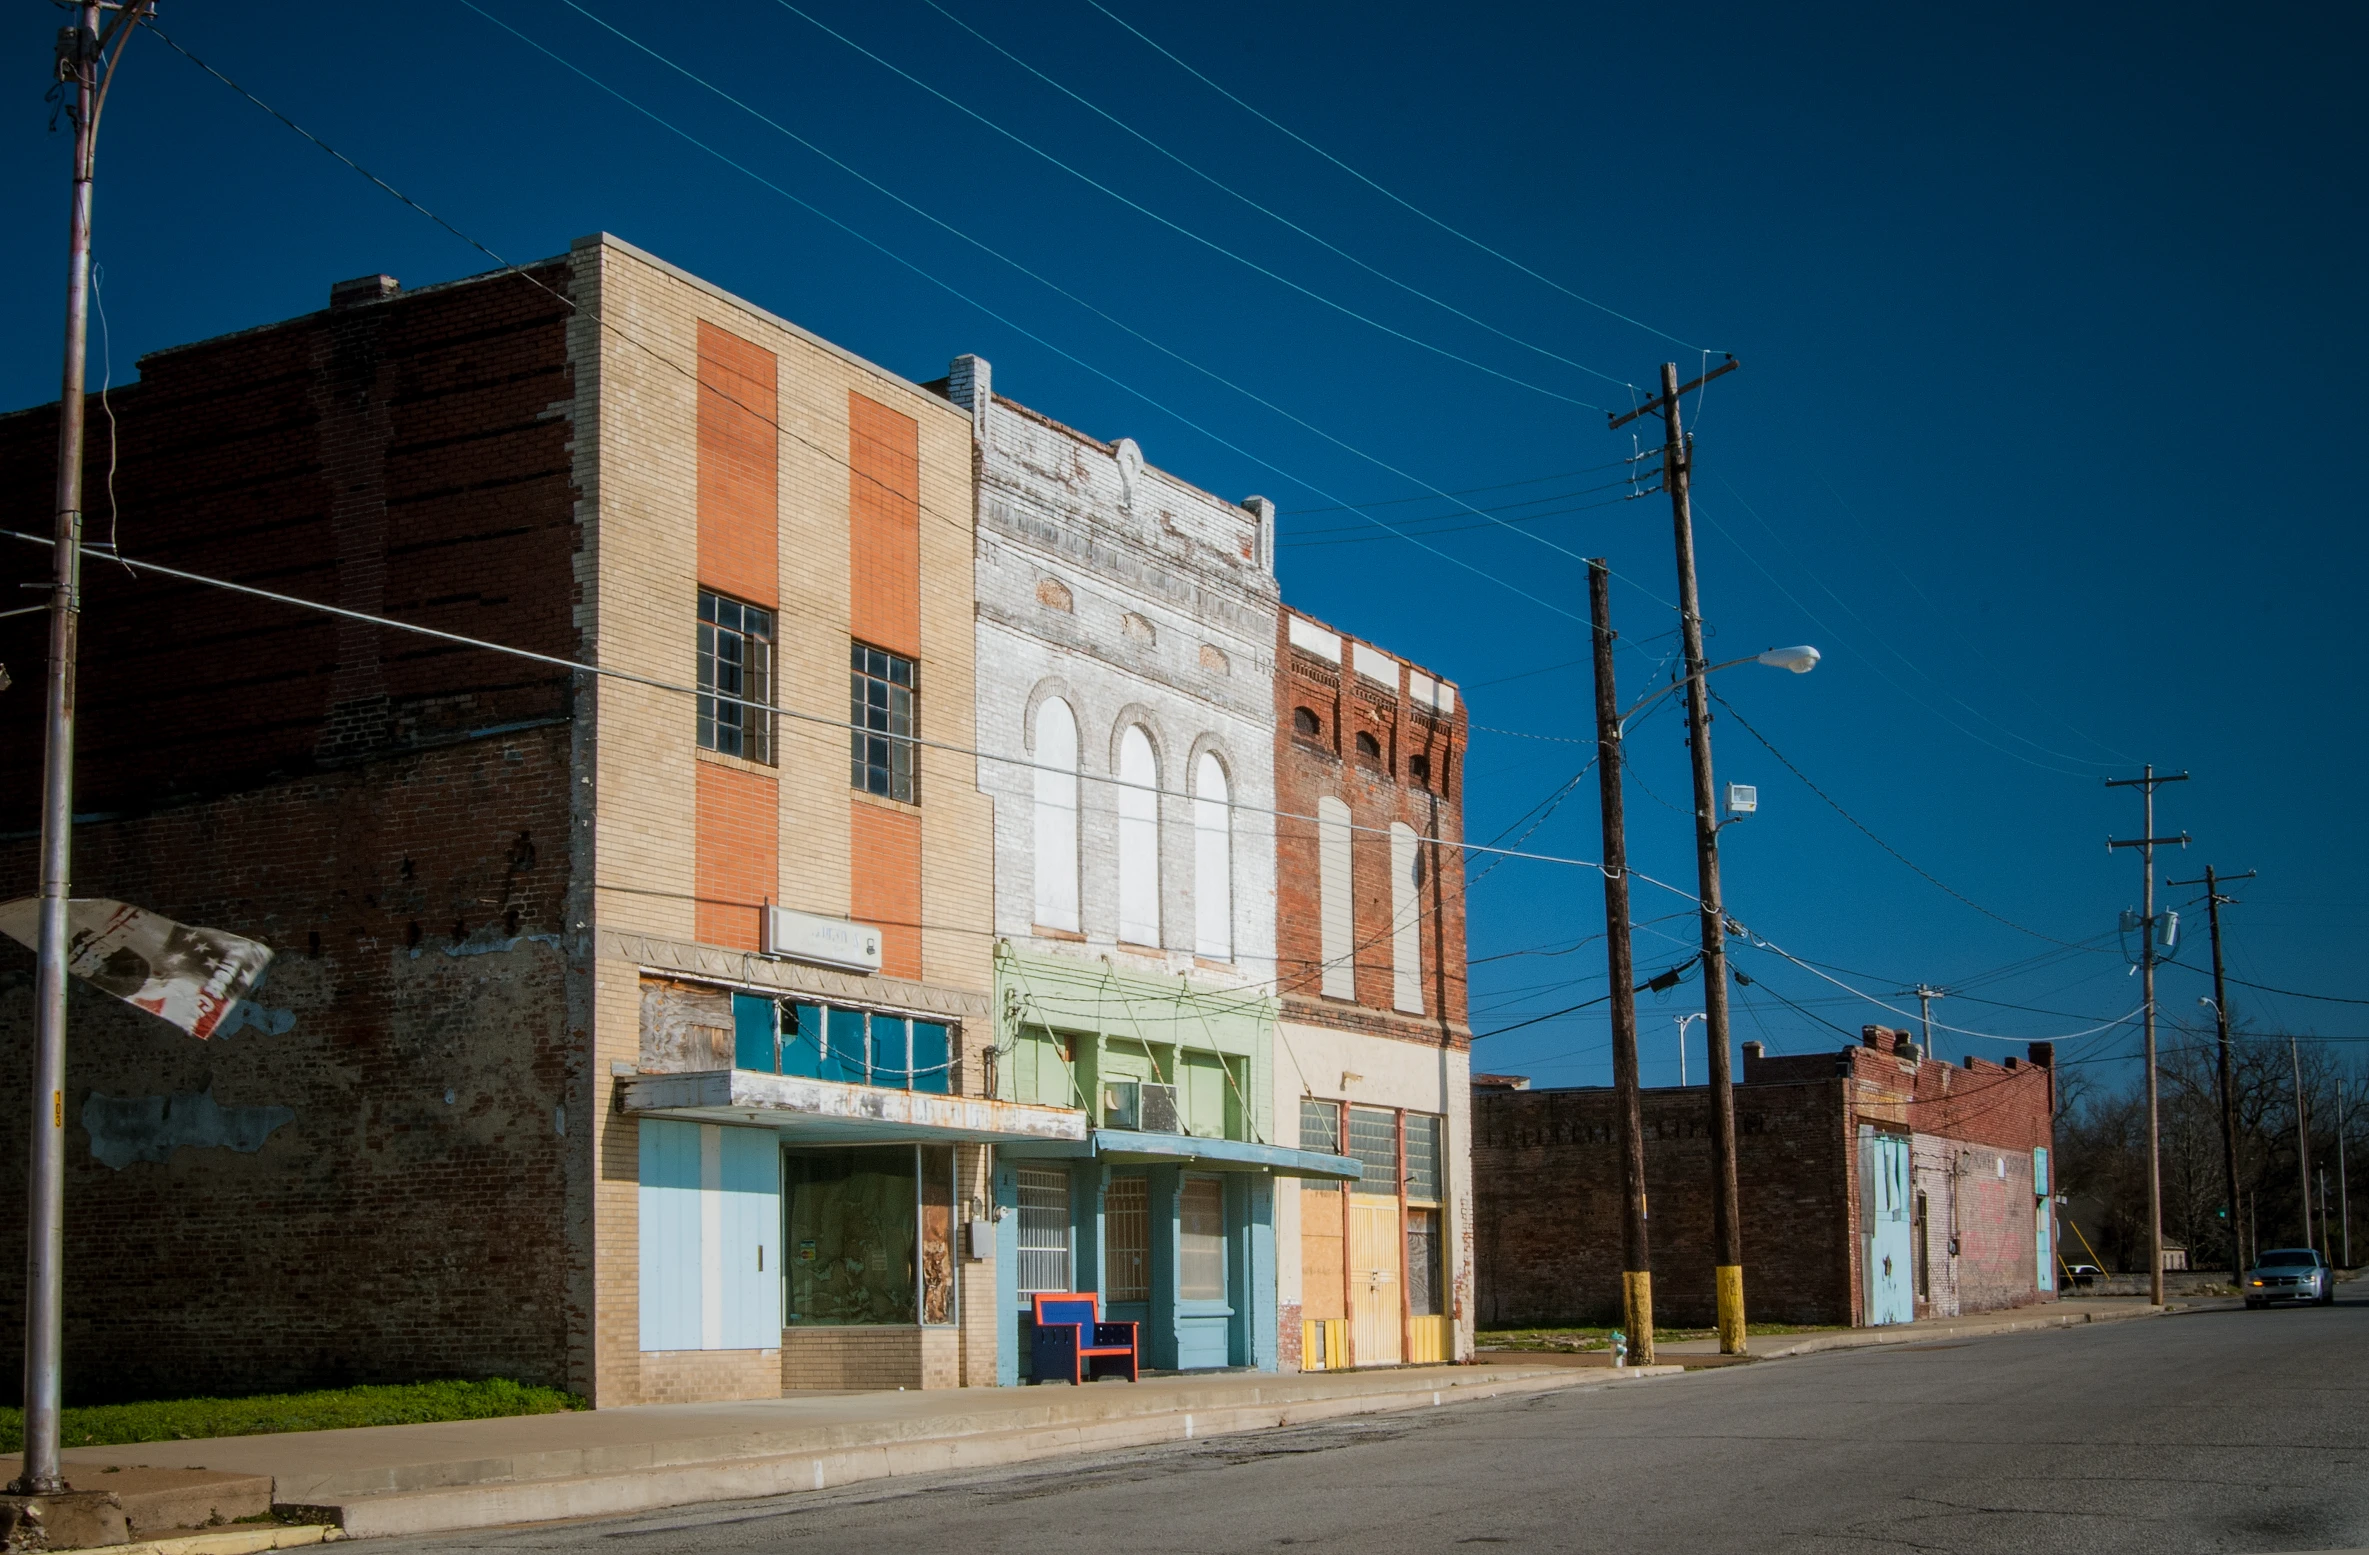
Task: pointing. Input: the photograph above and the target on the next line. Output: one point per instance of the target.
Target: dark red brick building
(1876, 1185)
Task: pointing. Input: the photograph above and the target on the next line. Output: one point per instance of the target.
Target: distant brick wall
(904, 1356)
(1546, 1173)
(411, 1219)
(706, 1376)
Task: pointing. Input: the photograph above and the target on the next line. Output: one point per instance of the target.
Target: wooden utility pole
(2146, 844)
(1727, 1231)
(2214, 901)
(2302, 1139)
(1636, 1280)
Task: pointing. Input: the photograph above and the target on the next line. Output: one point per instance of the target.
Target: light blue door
(1885, 1212)
(2041, 1219)
(710, 1237)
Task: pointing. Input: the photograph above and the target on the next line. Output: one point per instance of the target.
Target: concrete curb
(228, 1541)
(1863, 1338)
(641, 1490)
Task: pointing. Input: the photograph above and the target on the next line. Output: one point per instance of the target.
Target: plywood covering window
(1335, 912)
(1055, 883)
(1213, 862)
(1139, 839)
(1406, 919)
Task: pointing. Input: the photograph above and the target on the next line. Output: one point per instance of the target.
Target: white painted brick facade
(1122, 539)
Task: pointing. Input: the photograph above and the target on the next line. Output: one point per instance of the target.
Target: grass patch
(1577, 1339)
(331, 1409)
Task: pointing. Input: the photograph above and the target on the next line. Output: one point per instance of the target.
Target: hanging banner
(186, 975)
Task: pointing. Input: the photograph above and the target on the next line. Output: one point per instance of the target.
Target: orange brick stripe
(739, 469)
(885, 851)
(884, 523)
(739, 854)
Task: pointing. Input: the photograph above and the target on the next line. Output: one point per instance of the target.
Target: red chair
(1073, 1344)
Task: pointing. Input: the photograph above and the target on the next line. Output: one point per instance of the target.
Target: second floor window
(736, 662)
(882, 715)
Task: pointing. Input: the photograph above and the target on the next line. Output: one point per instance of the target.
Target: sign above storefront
(805, 936)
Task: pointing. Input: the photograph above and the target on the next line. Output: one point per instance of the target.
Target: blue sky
(2050, 324)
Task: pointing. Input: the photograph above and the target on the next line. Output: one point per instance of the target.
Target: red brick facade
(376, 1178)
(1547, 1179)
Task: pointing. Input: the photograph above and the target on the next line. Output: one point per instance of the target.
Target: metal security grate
(1201, 1240)
(1044, 1231)
(1373, 1139)
(1423, 1257)
(1127, 1247)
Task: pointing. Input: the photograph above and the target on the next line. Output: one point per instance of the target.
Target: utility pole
(2344, 1197)
(2146, 844)
(85, 67)
(1727, 1231)
(1636, 1262)
(2214, 901)
(2302, 1139)
(1925, 998)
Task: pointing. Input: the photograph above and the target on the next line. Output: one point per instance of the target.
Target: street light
(1799, 660)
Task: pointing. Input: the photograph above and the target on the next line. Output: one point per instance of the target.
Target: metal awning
(832, 1112)
(1133, 1147)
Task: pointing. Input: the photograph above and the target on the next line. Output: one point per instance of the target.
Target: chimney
(1262, 512)
(365, 288)
(2043, 1055)
(1752, 1054)
(970, 383)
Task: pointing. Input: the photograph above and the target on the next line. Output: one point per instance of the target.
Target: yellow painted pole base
(1731, 1308)
(1637, 1312)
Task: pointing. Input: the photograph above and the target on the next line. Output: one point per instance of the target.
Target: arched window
(1139, 839)
(1056, 873)
(1213, 862)
(1336, 914)
(1304, 722)
(1368, 748)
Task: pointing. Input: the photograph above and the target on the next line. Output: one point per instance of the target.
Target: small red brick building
(1876, 1185)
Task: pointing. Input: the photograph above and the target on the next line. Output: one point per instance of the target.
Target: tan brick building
(623, 1034)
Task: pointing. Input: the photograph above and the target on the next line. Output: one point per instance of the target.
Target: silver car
(2289, 1274)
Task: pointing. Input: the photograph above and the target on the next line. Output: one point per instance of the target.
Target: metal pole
(2323, 1214)
(45, 1212)
(1636, 1254)
(2302, 1140)
(2344, 1197)
(2147, 998)
(1727, 1231)
(1681, 1020)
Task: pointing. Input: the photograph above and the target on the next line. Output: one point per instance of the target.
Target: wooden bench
(1073, 1344)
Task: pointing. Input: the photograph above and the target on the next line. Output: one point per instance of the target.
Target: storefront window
(1423, 1261)
(1201, 1240)
(1423, 1157)
(1373, 1139)
(1127, 1240)
(851, 1240)
(824, 1042)
(1044, 1231)
(871, 1235)
(1320, 1125)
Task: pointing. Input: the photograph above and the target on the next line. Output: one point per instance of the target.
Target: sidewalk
(407, 1479)
(1681, 1353)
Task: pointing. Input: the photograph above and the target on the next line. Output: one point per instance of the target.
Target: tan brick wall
(978, 1312)
(637, 349)
(694, 1376)
(902, 1356)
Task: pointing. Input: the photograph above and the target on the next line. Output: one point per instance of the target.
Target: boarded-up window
(1056, 873)
(1406, 919)
(1336, 914)
(1213, 862)
(1139, 839)
(1201, 1240)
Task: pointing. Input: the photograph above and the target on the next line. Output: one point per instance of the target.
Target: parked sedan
(2289, 1274)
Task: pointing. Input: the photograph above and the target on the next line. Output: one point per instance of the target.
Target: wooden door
(1375, 1302)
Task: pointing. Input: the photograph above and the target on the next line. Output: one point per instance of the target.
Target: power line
(1467, 491)
(1379, 189)
(1138, 207)
(1273, 215)
(1927, 875)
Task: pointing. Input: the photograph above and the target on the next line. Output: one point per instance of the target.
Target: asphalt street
(2205, 1431)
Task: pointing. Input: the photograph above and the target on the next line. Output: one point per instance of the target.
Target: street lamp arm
(1799, 660)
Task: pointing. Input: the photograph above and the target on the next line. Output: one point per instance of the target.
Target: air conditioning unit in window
(1122, 1104)
(1155, 1112)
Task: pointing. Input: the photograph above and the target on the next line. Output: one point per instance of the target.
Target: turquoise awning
(1132, 1147)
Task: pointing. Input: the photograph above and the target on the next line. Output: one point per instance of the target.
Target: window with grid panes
(1423, 1157)
(1201, 1240)
(1320, 1125)
(1127, 1240)
(735, 661)
(1373, 1139)
(881, 710)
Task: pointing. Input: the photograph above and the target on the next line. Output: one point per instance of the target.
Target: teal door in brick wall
(1884, 1207)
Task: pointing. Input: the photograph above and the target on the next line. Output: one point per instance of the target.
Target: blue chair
(1073, 1344)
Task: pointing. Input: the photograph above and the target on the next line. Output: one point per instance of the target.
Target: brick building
(1373, 1033)
(1875, 1185)
(619, 1037)
(1126, 624)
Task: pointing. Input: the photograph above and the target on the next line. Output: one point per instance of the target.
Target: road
(2207, 1431)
